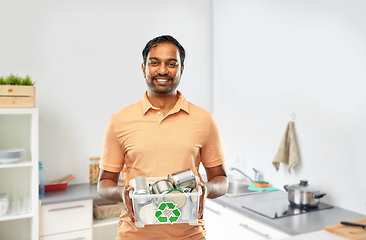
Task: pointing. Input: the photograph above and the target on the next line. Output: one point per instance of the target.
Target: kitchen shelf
(14, 217)
(20, 163)
(19, 129)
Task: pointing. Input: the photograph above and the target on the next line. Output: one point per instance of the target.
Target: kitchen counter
(73, 192)
(302, 224)
(293, 225)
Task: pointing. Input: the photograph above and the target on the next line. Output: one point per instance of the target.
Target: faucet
(243, 173)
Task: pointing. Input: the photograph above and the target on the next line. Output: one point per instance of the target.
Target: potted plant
(17, 92)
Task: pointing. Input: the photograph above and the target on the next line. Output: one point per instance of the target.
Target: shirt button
(162, 122)
(159, 113)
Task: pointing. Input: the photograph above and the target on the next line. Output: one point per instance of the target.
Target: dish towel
(287, 152)
(257, 189)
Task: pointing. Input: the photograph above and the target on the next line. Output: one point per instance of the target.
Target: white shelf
(20, 163)
(14, 217)
(18, 110)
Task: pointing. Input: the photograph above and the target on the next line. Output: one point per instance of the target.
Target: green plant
(16, 80)
(27, 81)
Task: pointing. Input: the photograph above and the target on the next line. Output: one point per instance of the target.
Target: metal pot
(304, 195)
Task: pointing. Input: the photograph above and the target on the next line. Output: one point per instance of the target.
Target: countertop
(73, 192)
(293, 225)
(302, 224)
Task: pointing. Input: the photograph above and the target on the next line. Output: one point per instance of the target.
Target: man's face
(163, 68)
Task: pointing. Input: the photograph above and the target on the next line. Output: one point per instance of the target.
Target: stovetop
(282, 208)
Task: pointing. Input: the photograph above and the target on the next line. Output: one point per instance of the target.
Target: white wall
(275, 58)
(86, 58)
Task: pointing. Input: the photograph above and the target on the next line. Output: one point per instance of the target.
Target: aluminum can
(141, 186)
(183, 179)
(162, 186)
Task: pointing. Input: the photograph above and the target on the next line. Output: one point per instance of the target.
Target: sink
(239, 188)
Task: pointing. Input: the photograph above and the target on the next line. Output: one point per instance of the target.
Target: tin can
(162, 186)
(183, 179)
(141, 187)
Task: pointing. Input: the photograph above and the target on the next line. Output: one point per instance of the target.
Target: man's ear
(181, 70)
(143, 69)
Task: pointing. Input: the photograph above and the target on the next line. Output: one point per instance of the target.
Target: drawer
(65, 217)
(78, 235)
(250, 226)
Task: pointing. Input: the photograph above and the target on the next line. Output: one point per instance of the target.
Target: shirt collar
(182, 103)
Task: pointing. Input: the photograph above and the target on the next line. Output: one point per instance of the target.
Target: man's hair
(163, 39)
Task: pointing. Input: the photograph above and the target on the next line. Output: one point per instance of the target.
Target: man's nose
(162, 69)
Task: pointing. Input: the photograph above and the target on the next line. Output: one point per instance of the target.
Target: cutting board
(350, 232)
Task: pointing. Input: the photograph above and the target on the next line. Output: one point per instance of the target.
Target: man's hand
(216, 186)
(109, 189)
(127, 201)
(202, 199)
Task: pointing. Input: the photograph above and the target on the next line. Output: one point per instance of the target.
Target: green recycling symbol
(174, 212)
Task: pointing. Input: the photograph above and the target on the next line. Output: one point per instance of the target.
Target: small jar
(94, 170)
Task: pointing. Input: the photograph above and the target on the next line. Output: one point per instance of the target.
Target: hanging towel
(287, 152)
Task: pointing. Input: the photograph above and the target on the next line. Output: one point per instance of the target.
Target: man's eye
(173, 64)
(153, 63)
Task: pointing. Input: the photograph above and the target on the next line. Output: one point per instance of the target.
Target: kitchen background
(252, 63)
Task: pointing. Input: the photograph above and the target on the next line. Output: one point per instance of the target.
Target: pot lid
(303, 186)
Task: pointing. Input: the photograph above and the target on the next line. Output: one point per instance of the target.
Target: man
(159, 135)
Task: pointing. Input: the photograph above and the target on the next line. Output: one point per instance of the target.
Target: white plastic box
(154, 209)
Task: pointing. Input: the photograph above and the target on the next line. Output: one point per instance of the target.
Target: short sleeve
(212, 151)
(112, 158)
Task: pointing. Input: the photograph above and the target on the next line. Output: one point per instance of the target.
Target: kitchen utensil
(183, 179)
(63, 179)
(349, 232)
(304, 195)
(354, 224)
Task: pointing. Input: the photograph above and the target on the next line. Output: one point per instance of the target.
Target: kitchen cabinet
(73, 218)
(69, 216)
(222, 222)
(19, 180)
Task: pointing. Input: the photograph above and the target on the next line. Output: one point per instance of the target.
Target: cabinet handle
(59, 209)
(212, 210)
(255, 231)
(79, 238)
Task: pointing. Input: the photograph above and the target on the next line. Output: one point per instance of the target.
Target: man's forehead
(164, 48)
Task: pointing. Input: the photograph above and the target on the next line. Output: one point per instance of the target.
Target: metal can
(183, 179)
(141, 186)
(162, 186)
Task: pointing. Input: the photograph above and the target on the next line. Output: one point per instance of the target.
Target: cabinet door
(78, 235)
(213, 216)
(247, 228)
(65, 217)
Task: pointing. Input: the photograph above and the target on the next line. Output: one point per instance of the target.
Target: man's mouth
(162, 80)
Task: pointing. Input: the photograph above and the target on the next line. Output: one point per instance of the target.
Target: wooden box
(14, 96)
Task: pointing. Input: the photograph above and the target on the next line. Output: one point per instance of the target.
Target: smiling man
(160, 135)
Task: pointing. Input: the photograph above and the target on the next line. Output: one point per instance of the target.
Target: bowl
(11, 155)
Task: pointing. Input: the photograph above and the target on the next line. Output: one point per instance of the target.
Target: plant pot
(14, 96)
